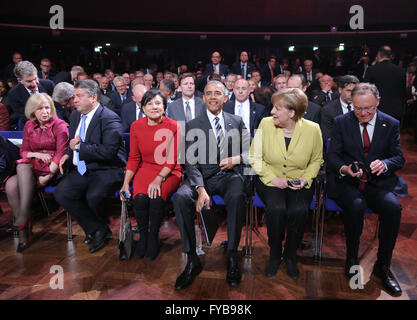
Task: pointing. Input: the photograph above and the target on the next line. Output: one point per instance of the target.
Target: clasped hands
(282, 183)
(377, 167)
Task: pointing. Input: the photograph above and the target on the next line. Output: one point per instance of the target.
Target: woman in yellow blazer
(286, 153)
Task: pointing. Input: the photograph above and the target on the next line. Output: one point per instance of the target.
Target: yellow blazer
(269, 157)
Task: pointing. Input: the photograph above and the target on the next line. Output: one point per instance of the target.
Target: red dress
(151, 149)
(53, 140)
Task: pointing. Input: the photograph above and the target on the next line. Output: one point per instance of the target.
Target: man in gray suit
(188, 106)
(222, 142)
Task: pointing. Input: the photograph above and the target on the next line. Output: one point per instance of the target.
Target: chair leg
(249, 227)
(43, 203)
(69, 227)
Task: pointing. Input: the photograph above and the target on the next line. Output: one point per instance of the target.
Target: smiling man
(374, 142)
(217, 171)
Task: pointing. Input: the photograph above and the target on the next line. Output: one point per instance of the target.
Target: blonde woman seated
(45, 140)
(286, 153)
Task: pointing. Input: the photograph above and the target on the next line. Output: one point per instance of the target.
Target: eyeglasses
(367, 109)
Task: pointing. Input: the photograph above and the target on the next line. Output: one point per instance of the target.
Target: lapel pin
(384, 125)
(229, 124)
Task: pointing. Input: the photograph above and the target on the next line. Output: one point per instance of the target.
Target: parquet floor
(102, 276)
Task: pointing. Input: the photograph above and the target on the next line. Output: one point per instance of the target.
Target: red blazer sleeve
(135, 155)
(173, 146)
(61, 134)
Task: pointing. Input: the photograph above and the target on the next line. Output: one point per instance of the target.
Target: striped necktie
(220, 136)
(188, 114)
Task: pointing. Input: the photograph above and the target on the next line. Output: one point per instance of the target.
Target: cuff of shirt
(340, 172)
(386, 167)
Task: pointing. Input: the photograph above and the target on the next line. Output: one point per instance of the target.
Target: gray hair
(63, 91)
(148, 75)
(90, 85)
(77, 69)
(119, 79)
(24, 68)
(220, 84)
(364, 88)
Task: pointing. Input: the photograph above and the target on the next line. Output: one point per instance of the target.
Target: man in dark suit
(105, 87)
(45, 71)
(310, 75)
(132, 110)
(269, 71)
(121, 95)
(29, 84)
(374, 142)
(215, 66)
(343, 105)
(69, 77)
(212, 168)
(326, 94)
(390, 81)
(252, 113)
(95, 159)
(8, 72)
(189, 106)
(313, 110)
(362, 68)
(243, 66)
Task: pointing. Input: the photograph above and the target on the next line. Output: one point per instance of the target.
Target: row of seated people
(286, 152)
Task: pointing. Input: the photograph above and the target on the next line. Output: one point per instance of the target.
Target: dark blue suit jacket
(117, 101)
(17, 98)
(224, 70)
(346, 147)
(128, 115)
(103, 147)
(257, 113)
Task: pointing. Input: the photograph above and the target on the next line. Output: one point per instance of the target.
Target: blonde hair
(35, 101)
(291, 99)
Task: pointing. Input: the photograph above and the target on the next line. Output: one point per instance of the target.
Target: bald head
(241, 90)
(138, 92)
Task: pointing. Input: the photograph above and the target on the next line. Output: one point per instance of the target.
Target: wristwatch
(162, 177)
(77, 146)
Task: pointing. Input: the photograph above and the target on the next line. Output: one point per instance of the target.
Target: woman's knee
(141, 201)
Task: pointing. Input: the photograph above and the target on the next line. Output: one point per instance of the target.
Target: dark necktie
(188, 114)
(366, 146)
(220, 136)
(243, 73)
(140, 114)
(349, 107)
(329, 96)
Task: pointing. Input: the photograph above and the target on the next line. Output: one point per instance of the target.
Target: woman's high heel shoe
(27, 229)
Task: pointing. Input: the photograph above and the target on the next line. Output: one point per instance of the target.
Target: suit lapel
(339, 109)
(356, 134)
(252, 114)
(378, 133)
(181, 113)
(295, 137)
(94, 122)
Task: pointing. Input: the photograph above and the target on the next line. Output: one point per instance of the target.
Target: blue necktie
(81, 167)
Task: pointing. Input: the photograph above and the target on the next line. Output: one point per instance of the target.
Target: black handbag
(125, 235)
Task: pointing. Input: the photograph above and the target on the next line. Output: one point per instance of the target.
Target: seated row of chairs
(319, 205)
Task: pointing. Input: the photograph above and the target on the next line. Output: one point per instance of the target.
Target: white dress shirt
(344, 106)
(90, 116)
(213, 122)
(245, 112)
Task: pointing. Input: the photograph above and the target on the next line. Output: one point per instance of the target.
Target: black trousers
(230, 186)
(354, 203)
(84, 196)
(285, 208)
(148, 212)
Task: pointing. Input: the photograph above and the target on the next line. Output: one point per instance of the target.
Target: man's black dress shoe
(350, 262)
(272, 267)
(234, 275)
(100, 238)
(88, 239)
(186, 278)
(388, 280)
(292, 269)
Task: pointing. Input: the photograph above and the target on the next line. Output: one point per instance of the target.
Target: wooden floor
(102, 276)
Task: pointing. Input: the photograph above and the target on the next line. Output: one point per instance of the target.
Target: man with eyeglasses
(216, 66)
(371, 139)
(46, 71)
(121, 95)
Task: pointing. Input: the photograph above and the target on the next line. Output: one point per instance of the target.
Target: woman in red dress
(45, 140)
(153, 162)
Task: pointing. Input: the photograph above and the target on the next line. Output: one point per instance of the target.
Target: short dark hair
(343, 81)
(186, 75)
(150, 94)
(168, 84)
(385, 51)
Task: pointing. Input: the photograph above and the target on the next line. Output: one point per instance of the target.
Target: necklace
(287, 131)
